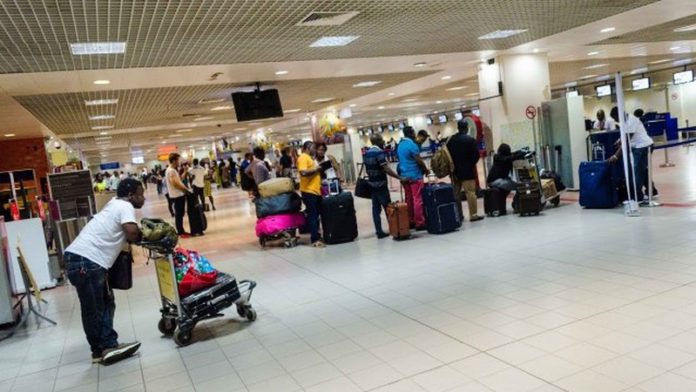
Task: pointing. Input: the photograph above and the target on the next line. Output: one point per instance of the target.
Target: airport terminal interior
(533, 164)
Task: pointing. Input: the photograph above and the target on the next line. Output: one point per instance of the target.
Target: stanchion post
(667, 162)
(651, 202)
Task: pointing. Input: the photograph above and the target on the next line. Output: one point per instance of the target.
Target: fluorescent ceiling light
(595, 66)
(291, 110)
(660, 61)
(10, 135)
(333, 41)
(184, 130)
(639, 70)
(685, 29)
(410, 100)
(369, 83)
(85, 48)
(498, 34)
(203, 118)
(282, 72)
(322, 100)
(102, 81)
(210, 100)
(675, 48)
(380, 107)
(97, 102)
(420, 65)
(98, 127)
(607, 30)
(457, 88)
(391, 94)
(175, 135)
(352, 105)
(101, 117)
(216, 108)
(593, 53)
(446, 77)
(588, 77)
(472, 95)
(438, 102)
(103, 133)
(536, 50)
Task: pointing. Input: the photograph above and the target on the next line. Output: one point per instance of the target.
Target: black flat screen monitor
(257, 105)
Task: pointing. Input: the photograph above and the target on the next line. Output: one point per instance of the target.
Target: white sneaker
(122, 351)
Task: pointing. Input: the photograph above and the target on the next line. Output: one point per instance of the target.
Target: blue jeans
(380, 201)
(312, 203)
(640, 166)
(96, 301)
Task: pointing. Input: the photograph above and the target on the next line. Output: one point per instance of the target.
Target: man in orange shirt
(310, 187)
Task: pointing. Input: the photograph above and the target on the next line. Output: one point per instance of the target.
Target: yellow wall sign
(166, 280)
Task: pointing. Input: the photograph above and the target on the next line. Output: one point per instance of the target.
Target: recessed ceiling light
(322, 100)
(660, 61)
(98, 127)
(420, 64)
(446, 77)
(391, 94)
(282, 72)
(85, 48)
(216, 108)
(498, 34)
(333, 41)
(352, 105)
(97, 102)
(536, 50)
(204, 118)
(593, 53)
(369, 83)
(101, 117)
(380, 107)
(102, 81)
(685, 29)
(607, 30)
(457, 88)
(163, 141)
(596, 66)
(10, 135)
(438, 102)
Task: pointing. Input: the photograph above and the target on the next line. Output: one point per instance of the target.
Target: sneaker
(476, 219)
(382, 235)
(318, 244)
(122, 351)
(96, 358)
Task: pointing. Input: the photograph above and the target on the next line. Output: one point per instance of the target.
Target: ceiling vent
(327, 18)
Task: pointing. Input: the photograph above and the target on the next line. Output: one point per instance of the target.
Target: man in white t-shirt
(640, 143)
(177, 193)
(198, 173)
(87, 261)
(603, 123)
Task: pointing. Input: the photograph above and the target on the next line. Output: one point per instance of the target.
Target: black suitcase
(338, 220)
(441, 210)
(212, 300)
(284, 203)
(494, 202)
(196, 215)
(529, 198)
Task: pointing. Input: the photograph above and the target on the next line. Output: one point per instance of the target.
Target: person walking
(87, 262)
(377, 168)
(177, 193)
(411, 170)
(310, 188)
(465, 155)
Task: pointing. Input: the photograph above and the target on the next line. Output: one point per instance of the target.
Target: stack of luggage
(278, 211)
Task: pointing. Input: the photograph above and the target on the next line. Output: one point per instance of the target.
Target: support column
(525, 82)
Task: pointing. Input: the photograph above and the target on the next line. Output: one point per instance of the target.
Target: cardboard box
(548, 188)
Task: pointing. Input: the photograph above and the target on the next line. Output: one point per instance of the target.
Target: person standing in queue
(310, 188)
(177, 193)
(87, 261)
(197, 173)
(257, 169)
(412, 169)
(465, 155)
(377, 168)
(285, 163)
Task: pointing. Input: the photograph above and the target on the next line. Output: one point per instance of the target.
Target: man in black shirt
(377, 168)
(285, 164)
(465, 155)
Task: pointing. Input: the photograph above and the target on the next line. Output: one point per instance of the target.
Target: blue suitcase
(597, 185)
(440, 207)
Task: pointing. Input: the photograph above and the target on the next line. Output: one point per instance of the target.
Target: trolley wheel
(182, 338)
(556, 201)
(166, 326)
(247, 312)
(262, 242)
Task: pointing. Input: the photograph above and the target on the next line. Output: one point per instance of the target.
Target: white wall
(682, 103)
(651, 100)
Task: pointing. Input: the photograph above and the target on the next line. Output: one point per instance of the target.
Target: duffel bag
(280, 204)
(276, 186)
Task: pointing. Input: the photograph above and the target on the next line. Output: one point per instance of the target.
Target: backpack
(441, 163)
(157, 230)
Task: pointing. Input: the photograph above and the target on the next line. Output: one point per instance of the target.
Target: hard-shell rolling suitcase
(529, 198)
(440, 207)
(494, 202)
(276, 186)
(196, 215)
(399, 224)
(338, 219)
(212, 299)
(597, 186)
(274, 224)
(281, 204)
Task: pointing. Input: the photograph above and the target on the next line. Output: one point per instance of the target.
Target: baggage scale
(180, 315)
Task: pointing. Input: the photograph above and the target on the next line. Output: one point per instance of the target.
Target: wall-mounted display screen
(604, 90)
(684, 77)
(458, 116)
(442, 118)
(641, 84)
(572, 93)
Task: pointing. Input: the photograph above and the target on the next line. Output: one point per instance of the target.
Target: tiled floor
(571, 300)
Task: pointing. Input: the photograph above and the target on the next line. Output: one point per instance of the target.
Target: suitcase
(211, 300)
(274, 224)
(399, 224)
(276, 186)
(196, 215)
(528, 198)
(338, 220)
(440, 207)
(494, 202)
(275, 205)
(597, 186)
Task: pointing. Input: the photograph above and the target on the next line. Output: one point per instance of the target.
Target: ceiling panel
(35, 34)
(658, 33)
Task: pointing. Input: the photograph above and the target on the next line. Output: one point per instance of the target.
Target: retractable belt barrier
(664, 146)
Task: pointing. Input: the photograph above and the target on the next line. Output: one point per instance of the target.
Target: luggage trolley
(526, 169)
(180, 315)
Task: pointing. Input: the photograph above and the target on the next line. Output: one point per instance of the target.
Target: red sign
(530, 112)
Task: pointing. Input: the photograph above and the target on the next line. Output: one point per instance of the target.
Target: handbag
(363, 189)
(121, 273)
